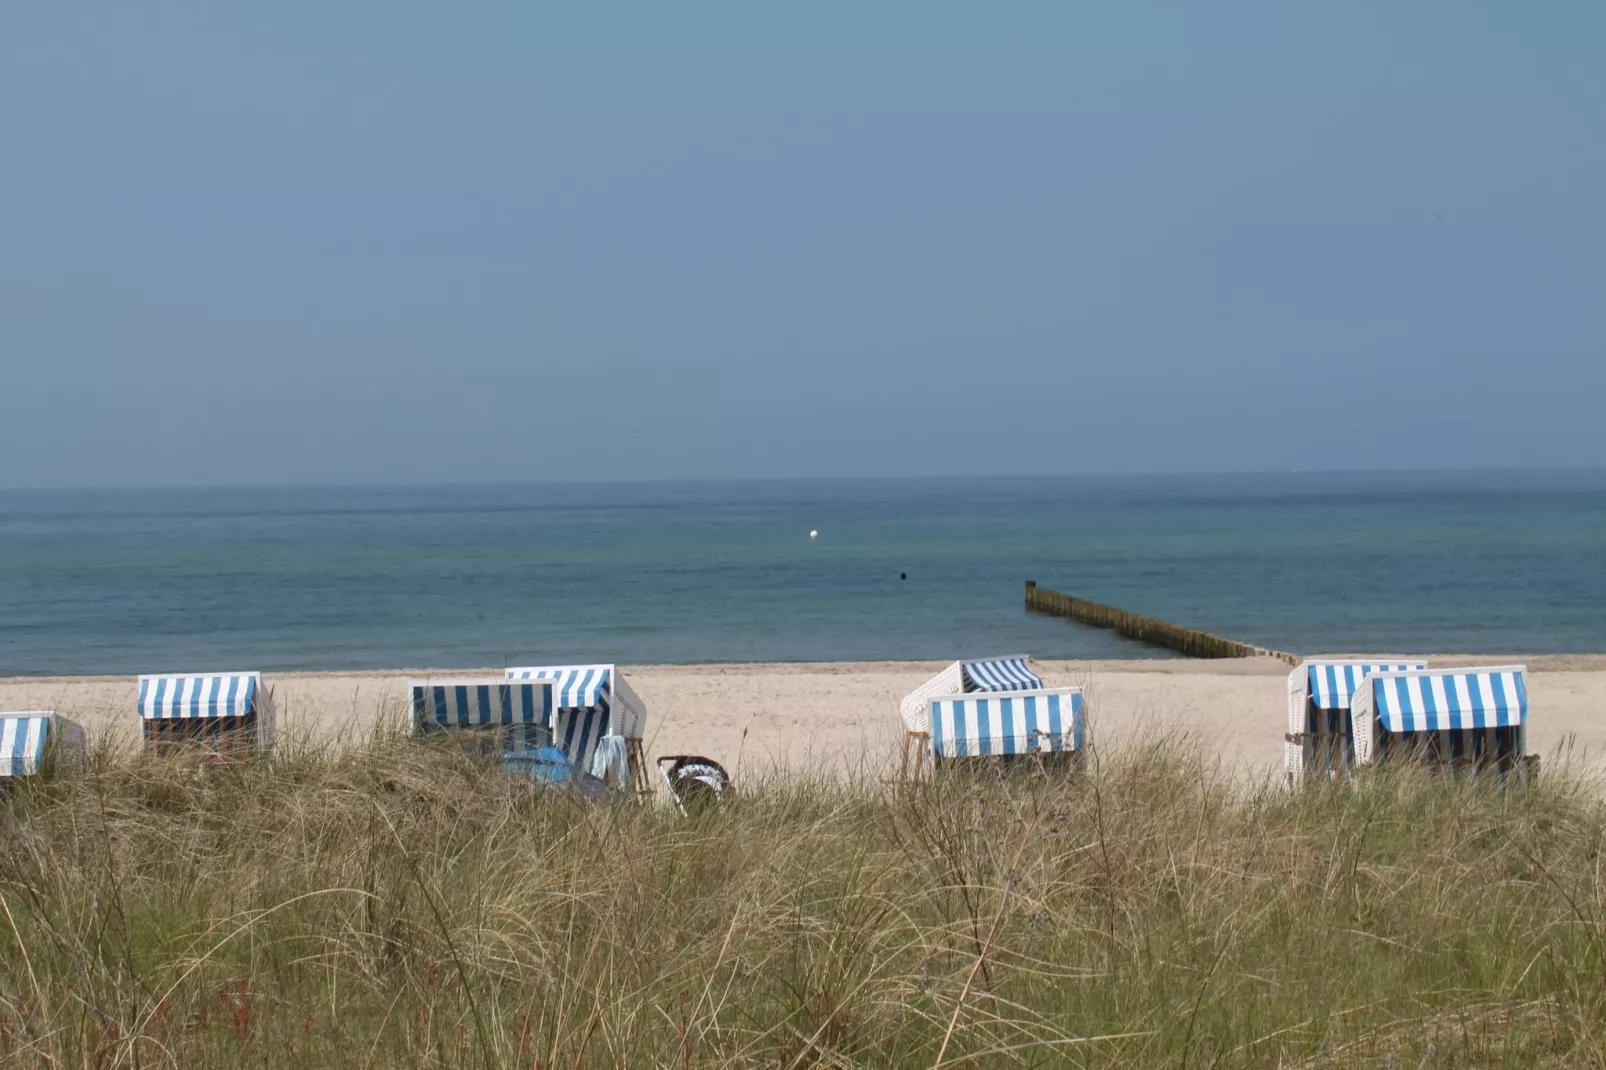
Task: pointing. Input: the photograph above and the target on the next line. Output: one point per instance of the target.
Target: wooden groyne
(1189, 641)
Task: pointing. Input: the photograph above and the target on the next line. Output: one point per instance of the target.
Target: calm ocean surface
(327, 578)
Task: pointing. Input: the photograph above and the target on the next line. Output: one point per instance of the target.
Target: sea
(340, 578)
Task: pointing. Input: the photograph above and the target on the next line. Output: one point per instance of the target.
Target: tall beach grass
(399, 905)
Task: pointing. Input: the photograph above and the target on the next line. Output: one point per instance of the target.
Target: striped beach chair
(489, 714)
(989, 708)
(1473, 717)
(228, 714)
(591, 703)
(1318, 739)
(37, 742)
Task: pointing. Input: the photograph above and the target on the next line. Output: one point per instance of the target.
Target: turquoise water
(332, 578)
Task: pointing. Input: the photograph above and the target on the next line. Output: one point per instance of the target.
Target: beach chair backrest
(23, 738)
(479, 702)
(1043, 721)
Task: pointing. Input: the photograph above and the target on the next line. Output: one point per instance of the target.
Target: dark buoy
(903, 575)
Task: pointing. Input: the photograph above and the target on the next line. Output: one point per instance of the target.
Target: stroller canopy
(694, 781)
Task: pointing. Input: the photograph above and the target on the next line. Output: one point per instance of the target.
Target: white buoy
(814, 534)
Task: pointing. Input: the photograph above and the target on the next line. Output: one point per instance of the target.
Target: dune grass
(395, 905)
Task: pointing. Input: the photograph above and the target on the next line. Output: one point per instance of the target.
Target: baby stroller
(695, 783)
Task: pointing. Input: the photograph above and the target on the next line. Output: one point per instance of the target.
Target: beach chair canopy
(1457, 714)
(480, 702)
(213, 706)
(199, 695)
(1448, 700)
(22, 741)
(1018, 722)
(1001, 674)
(1011, 673)
(588, 702)
(1329, 684)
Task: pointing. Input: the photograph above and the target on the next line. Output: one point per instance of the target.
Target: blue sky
(364, 242)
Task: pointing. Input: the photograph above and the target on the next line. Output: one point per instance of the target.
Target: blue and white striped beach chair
(1472, 717)
(33, 742)
(1318, 740)
(996, 708)
(590, 704)
(491, 714)
(225, 713)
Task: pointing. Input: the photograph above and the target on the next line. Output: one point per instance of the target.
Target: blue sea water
(392, 577)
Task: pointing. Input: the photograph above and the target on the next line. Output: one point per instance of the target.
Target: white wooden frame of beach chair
(1319, 692)
(1452, 710)
(38, 741)
(582, 693)
(200, 698)
(479, 704)
(957, 678)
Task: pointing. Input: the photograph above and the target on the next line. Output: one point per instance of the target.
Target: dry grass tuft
(397, 905)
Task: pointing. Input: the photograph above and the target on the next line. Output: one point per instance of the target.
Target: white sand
(839, 716)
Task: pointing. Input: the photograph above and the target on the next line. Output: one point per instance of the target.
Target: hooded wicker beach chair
(996, 708)
(510, 721)
(38, 743)
(1456, 718)
(591, 703)
(227, 714)
(1318, 741)
(488, 714)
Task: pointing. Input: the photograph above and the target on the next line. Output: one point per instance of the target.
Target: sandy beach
(842, 716)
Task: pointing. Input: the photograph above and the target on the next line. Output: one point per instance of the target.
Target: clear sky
(301, 242)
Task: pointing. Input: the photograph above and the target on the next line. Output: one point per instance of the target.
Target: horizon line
(682, 480)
